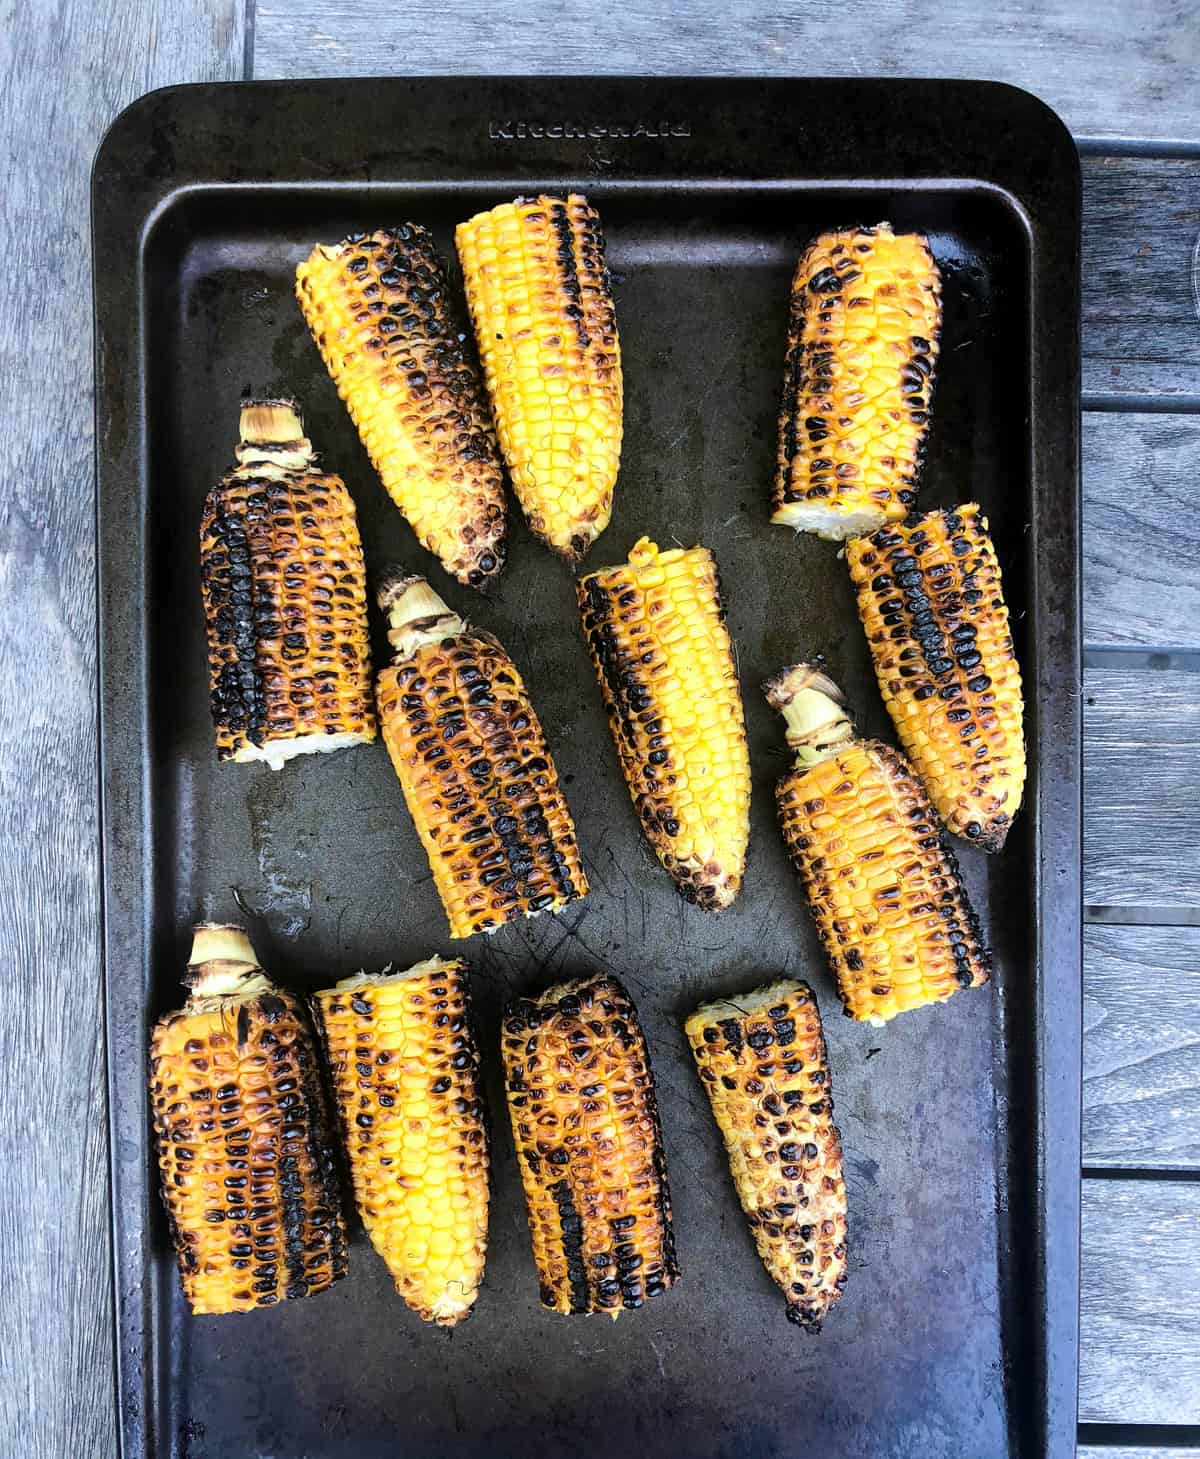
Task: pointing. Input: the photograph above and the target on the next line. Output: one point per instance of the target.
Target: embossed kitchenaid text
(516, 131)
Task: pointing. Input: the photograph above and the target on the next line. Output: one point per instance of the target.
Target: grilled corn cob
(284, 586)
(656, 630)
(883, 885)
(378, 307)
(585, 1125)
(764, 1066)
(541, 301)
(930, 599)
(474, 766)
(243, 1137)
(862, 347)
(406, 1076)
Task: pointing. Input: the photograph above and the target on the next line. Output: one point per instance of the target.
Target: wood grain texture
(1139, 1354)
(1110, 70)
(1141, 533)
(65, 72)
(1141, 275)
(1125, 1451)
(1141, 1049)
(1141, 840)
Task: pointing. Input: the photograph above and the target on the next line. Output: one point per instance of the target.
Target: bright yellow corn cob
(656, 630)
(285, 607)
(883, 885)
(930, 599)
(764, 1066)
(473, 762)
(585, 1126)
(406, 1076)
(862, 346)
(378, 307)
(541, 302)
(244, 1137)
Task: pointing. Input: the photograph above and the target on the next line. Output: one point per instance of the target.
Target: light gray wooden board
(1110, 69)
(1141, 1047)
(1139, 1353)
(65, 72)
(1141, 272)
(1124, 1451)
(1141, 532)
(1141, 837)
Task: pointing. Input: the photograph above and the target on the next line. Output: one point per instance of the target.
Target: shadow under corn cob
(931, 602)
(656, 630)
(476, 772)
(862, 346)
(244, 1137)
(541, 303)
(378, 307)
(764, 1066)
(284, 590)
(585, 1124)
(883, 885)
(405, 1070)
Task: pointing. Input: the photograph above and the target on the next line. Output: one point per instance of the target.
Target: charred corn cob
(284, 586)
(884, 887)
(474, 766)
(764, 1066)
(244, 1143)
(862, 347)
(378, 307)
(406, 1076)
(930, 599)
(585, 1125)
(657, 635)
(541, 302)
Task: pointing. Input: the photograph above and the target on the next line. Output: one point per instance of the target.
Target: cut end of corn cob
(764, 1066)
(378, 306)
(284, 590)
(405, 1070)
(475, 768)
(244, 1144)
(541, 302)
(585, 1124)
(883, 885)
(931, 602)
(862, 347)
(656, 631)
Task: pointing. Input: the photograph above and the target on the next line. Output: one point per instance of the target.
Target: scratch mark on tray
(1196, 276)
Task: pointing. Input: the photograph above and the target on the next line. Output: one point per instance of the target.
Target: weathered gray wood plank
(1141, 842)
(1141, 305)
(1123, 1451)
(1110, 70)
(1141, 533)
(65, 71)
(1139, 1357)
(1141, 1047)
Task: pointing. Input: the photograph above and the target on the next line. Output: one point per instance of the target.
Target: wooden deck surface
(1124, 78)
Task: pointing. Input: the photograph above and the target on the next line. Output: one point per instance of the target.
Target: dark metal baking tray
(957, 1333)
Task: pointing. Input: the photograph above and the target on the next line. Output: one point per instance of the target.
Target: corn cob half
(406, 1076)
(244, 1138)
(883, 885)
(930, 599)
(378, 307)
(542, 306)
(285, 607)
(862, 346)
(585, 1125)
(656, 630)
(764, 1066)
(473, 762)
